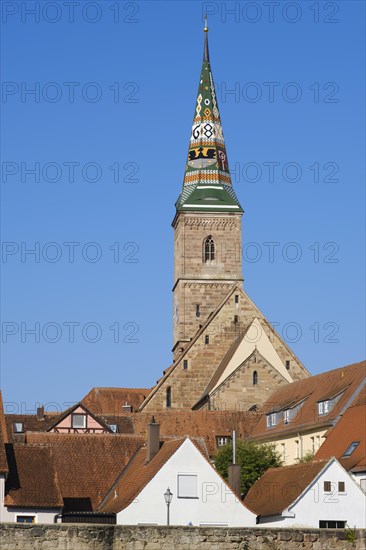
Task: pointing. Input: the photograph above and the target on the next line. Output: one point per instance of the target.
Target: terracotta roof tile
(101, 401)
(205, 424)
(280, 487)
(137, 475)
(32, 480)
(345, 381)
(3, 439)
(30, 423)
(350, 428)
(87, 464)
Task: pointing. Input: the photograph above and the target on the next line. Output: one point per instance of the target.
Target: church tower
(207, 224)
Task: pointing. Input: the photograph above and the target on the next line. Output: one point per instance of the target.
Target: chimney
(153, 439)
(40, 413)
(127, 408)
(234, 478)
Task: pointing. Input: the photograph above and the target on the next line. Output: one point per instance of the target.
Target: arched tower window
(209, 249)
(169, 397)
(255, 378)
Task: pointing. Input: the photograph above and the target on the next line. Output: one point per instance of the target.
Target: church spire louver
(207, 182)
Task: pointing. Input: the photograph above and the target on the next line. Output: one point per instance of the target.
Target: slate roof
(278, 488)
(346, 382)
(87, 464)
(3, 439)
(110, 401)
(350, 428)
(32, 480)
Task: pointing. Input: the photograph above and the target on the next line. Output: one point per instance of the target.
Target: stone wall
(110, 537)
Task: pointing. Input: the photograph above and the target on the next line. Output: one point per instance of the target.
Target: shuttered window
(187, 486)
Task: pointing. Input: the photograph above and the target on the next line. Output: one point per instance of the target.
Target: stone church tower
(226, 355)
(207, 224)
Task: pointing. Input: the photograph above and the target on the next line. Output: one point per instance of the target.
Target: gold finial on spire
(205, 29)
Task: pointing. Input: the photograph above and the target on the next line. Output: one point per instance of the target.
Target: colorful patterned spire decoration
(207, 182)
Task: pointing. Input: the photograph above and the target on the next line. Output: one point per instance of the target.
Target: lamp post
(168, 495)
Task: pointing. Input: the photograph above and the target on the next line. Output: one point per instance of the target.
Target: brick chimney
(40, 413)
(153, 439)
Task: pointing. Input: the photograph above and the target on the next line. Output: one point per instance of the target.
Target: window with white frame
(187, 486)
(286, 416)
(222, 440)
(323, 407)
(78, 420)
(18, 427)
(271, 420)
(283, 447)
(312, 444)
(297, 448)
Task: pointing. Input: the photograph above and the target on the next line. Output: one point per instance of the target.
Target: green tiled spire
(207, 183)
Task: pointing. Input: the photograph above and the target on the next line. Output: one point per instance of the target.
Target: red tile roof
(137, 475)
(203, 424)
(278, 488)
(30, 423)
(350, 428)
(139, 472)
(32, 480)
(345, 381)
(3, 439)
(111, 400)
(87, 464)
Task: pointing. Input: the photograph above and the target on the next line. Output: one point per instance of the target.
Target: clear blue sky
(120, 92)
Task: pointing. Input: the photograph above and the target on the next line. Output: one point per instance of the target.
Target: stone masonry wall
(111, 537)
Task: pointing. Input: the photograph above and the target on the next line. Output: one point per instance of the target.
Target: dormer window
(323, 407)
(114, 428)
(286, 416)
(209, 249)
(18, 427)
(271, 420)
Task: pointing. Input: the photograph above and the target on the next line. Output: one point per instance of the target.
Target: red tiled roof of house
(278, 488)
(32, 480)
(204, 424)
(137, 475)
(345, 382)
(110, 401)
(30, 423)
(87, 464)
(349, 429)
(139, 472)
(3, 439)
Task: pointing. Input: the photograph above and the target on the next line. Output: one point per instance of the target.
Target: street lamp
(168, 495)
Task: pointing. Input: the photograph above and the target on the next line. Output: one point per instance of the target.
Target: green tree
(254, 459)
(308, 457)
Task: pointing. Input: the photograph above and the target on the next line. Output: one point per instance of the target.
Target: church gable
(217, 343)
(246, 387)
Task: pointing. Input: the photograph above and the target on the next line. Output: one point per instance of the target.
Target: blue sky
(106, 133)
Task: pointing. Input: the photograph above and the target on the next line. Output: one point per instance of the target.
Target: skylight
(351, 448)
